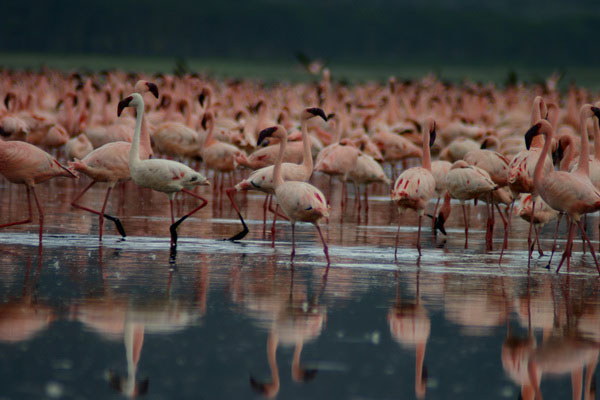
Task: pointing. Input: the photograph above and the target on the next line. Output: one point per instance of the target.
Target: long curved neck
(145, 137)
(584, 155)
(209, 136)
(338, 131)
(134, 152)
(539, 167)
(426, 150)
(569, 155)
(307, 161)
(277, 178)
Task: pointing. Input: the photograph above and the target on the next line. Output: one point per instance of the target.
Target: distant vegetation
(551, 33)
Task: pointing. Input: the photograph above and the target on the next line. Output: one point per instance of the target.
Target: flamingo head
(277, 131)
(204, 94)
(142, 86)
(531, 133)
(206, 118)
(133, 100)
(314, 112)
(596, 112)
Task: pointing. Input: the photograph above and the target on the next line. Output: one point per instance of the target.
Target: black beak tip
(317, 112)
(265, 133)
(530, 134)
(596, 111)
(153, 89)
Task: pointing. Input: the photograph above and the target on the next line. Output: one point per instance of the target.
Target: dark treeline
(507, 32)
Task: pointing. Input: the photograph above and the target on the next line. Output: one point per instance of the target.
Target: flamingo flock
(267, 139)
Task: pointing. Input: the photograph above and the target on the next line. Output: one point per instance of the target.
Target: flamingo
(165, 176)
(466, 182)
(366, 171)
(24, 163)
(415, 186)
(262, 180)
(571, 193)
(300, 201)
(109, 163)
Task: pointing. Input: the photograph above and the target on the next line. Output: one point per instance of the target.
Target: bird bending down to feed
(570, 192)
(300, 201)
(109, 163)
(262, 179)
(415, 186)
(21, 162)
(165, 176)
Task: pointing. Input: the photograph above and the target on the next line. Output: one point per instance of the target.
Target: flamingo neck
(277, 178)
(539, 167)
(188, 114)
(338, 132)
(145, 137)
(307, 161)
(426, 150)
(569, 155)
(134, 152)
(584, 155)
(209, 136)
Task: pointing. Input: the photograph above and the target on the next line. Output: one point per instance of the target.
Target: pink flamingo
(262, 180)
(571, 193)
(415, 186)
(165, 176)
(300, 201)
(21, 162)
(109, 163)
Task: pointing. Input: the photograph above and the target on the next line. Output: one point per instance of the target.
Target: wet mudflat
(80, 319)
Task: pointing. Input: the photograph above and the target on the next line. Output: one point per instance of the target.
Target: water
(228, 320)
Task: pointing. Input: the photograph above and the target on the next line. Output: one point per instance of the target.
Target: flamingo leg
(397, 239)
(40, 212)
(357, 197)
(583, 228)
(554, 242)
(26, 221)
(489, 232)
(510, 213)
(280, 215)
(273, 226)
(437, 204)
(529, 243)
(466, 226)
(174, 225)
(537, 239)
(366, 198)
(419, 235)
(505, 223)
(567, 252)
(267, 199)
(238, 236)
(101, 215)
(587, 239)
(293, 241)
(325, 248)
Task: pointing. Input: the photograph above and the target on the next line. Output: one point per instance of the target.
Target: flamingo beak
(317, 112)
(432, 136)
(265, 133)
(530, 134)
(122, 104)
(596, 111)
(152, 88)
(558, 154)
(201, 98)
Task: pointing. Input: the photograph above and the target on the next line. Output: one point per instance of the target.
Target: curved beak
(152, 88)
(265, 133)
(317, 112)
(530, 134)
(432, 136)
(122, 104)
(596, 111)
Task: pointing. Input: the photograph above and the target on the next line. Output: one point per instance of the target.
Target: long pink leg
(267, 198)
(505, 223)
(276, 210)
(554, 242)
(466, 226)
(437, 204)
(587, 239)
(40, 212)
(537, 239)
(230, 193)
(101, 215)
(567, 252)
(357, 197)
(366, 198)
(26, 221)
(174, 225)
(275, 214)
(419, 236)
(529, 244)
(293, 241)
(397, 239)
(325, 248)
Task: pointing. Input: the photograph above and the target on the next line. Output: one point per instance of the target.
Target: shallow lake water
(81, 319)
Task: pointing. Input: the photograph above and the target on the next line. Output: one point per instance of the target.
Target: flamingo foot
(118, 224)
